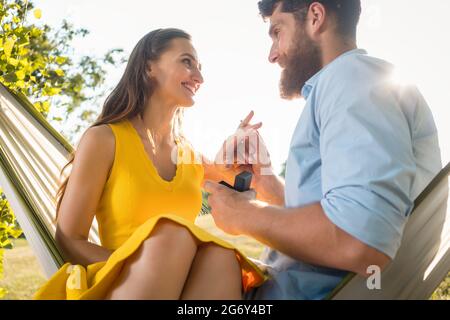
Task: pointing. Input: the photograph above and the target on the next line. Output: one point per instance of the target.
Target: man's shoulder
(357, 70)
(353, 77)
(359, 80)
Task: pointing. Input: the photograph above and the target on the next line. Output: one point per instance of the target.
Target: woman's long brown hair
(131, 95)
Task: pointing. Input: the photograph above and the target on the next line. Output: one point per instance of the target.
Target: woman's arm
(217, 172)
(209, 169)
(93, 160)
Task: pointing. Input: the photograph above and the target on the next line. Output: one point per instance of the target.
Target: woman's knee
(220, 255)
(170, 234)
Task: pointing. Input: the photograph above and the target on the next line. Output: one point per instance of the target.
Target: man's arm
(303, 233)
(269, 188)
(307, 234)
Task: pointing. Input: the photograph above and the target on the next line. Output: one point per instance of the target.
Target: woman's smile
(192, 88)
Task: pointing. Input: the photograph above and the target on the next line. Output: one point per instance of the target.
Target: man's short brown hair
(347, 12)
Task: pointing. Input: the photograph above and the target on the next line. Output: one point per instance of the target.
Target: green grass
(443, 291)
(22, 272)
(23, 275)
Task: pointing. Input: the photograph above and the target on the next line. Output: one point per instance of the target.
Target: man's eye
(187, 62)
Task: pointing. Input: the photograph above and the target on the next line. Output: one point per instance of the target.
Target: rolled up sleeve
(368, 168)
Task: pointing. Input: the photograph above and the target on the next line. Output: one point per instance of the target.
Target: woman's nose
(198, 78)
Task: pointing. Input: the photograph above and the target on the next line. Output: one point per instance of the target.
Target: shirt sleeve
(368, 166)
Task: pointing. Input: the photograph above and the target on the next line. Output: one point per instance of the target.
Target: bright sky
(232, 43)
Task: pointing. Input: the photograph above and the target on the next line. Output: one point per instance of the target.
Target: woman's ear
(148, 69)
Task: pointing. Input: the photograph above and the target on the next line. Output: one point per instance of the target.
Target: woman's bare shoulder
(97, 143)
(101, 135)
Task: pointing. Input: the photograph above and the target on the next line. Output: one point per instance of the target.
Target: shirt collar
(311, 83)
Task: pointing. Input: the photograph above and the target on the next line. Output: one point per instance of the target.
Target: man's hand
(304, 233)
(229, 207)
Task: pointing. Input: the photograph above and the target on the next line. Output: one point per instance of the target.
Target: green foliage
(283, 170)
(206, 209)
(443, 291)
(39, 62)
(8, 229)
(8, 226)
(3, 291)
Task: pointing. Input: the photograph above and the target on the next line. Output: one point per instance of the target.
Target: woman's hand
(244, 150)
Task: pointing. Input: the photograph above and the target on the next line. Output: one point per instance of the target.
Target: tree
(283, 170)
(39, 62)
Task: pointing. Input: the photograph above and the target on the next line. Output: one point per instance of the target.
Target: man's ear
(318, 18)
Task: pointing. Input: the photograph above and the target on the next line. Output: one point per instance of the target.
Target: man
(362, 151)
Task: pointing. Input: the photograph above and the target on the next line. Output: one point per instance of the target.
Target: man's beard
(302, 62)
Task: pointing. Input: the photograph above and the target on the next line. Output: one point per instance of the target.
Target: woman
(144, 202)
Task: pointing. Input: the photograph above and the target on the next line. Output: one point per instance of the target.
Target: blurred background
(233, 46)
(91, 40)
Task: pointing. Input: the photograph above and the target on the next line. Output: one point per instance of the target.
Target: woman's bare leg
(215, 275)
(159, 268)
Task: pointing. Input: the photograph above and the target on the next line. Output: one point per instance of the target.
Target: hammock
(32, 155)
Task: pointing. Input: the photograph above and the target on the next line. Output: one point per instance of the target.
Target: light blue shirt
(364, 147)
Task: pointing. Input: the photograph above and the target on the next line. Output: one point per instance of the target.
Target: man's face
(294, 51)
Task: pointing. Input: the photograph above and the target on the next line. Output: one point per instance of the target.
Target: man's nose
(273, 55)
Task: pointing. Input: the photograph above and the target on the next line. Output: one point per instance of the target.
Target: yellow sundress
(134, 198)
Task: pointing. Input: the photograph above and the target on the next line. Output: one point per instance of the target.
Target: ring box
(242, 182)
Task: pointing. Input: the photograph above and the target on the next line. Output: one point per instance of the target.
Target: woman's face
(177, 73)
